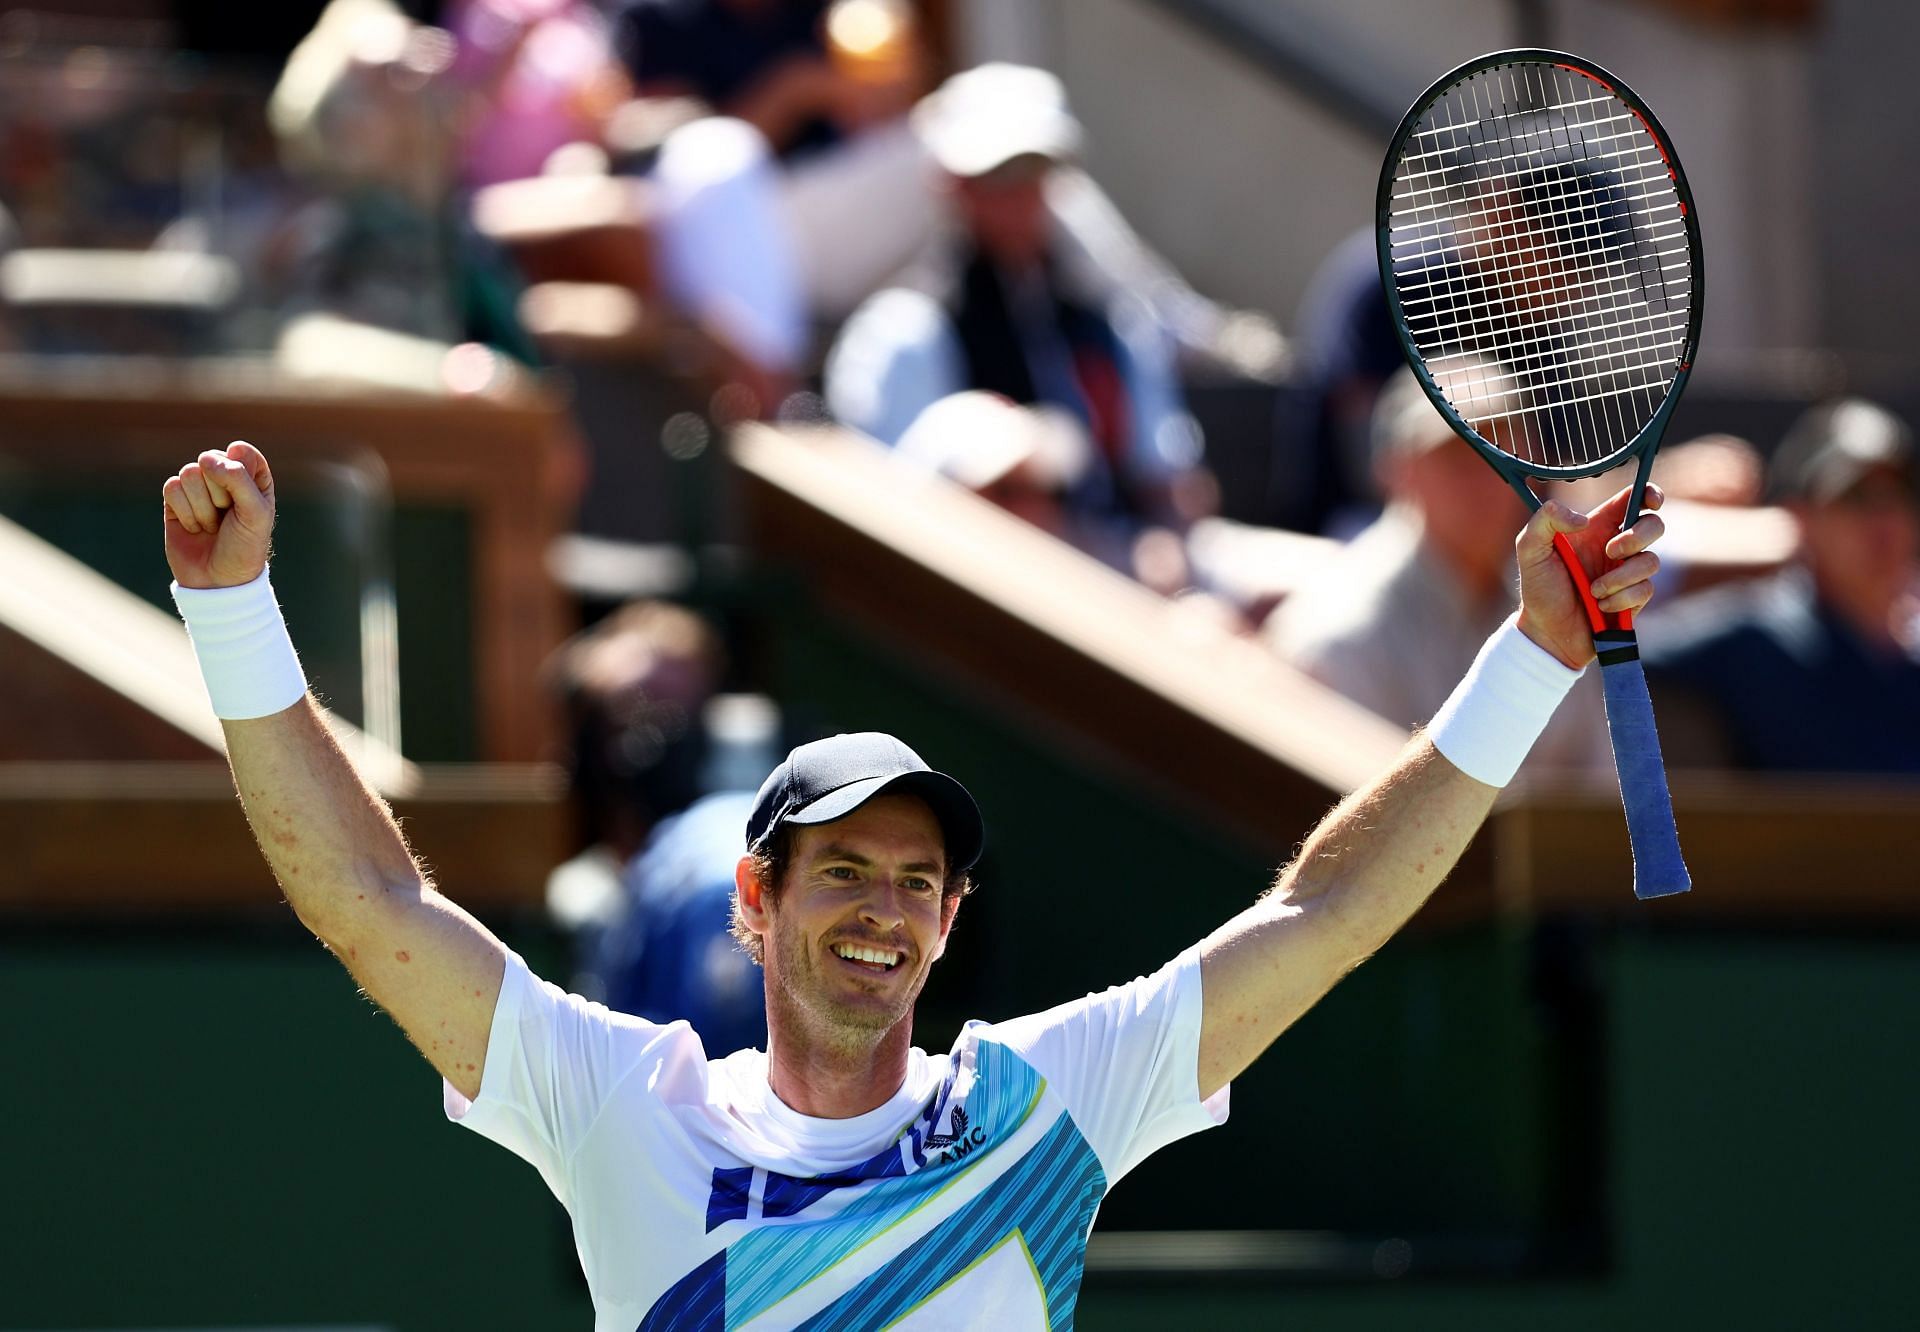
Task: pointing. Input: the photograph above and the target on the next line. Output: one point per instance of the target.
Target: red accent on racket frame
(1613, 92)
(1597, 619)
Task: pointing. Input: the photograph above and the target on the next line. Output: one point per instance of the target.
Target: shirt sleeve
(553, 1061)
(1126, 1062)
(896, 357)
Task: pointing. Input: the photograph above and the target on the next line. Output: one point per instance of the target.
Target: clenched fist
(1620, 564)
(219, 517)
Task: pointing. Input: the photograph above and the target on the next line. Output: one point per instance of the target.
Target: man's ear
(949, 908)
(753, 894)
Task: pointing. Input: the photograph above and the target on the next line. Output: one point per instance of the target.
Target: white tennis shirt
(701, 1201)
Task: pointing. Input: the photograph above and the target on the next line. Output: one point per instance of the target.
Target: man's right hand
(219, 517)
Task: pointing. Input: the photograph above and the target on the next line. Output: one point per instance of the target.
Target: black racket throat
(1522, 481)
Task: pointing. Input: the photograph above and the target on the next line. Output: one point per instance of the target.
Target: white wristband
(245, 655)
(1498, 710)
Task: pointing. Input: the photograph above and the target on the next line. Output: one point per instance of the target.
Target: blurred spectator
(1395, 618)
(9, 239)
(803, 189)
(659, 766)
(1712, 469)
(1022, 459)
(1818, 667)
(632, 688)
(669, 955)
(363, 112)
(1323, 474)
(806, 74)
(539, 75)
(1002, 311)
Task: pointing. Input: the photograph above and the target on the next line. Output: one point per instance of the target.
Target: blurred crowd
(835, 216)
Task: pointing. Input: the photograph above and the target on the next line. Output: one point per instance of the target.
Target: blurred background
(654, 384)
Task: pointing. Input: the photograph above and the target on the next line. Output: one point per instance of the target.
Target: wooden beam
(1760, 848)
(514, 465)
(1210, 720)
(103, 659)
(88, 839)
(1219, 727)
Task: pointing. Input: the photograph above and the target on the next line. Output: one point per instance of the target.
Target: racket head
(1532, 216)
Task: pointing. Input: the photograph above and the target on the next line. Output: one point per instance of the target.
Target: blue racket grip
(1658, 870)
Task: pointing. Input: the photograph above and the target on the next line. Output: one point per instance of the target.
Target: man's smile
(869, 957)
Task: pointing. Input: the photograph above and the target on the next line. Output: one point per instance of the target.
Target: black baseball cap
(1832, 447)
(829, 779)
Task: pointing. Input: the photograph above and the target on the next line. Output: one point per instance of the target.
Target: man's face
(1864, 546)
(1006, 210)
(1469, 513)
(858, 924)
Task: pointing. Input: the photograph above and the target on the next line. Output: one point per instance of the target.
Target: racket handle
(1658, 868)
(1598, 620)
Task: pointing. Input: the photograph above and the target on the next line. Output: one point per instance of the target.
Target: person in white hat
(1005, 309)
(761, 239)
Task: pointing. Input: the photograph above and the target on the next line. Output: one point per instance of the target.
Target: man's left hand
(1620, 564)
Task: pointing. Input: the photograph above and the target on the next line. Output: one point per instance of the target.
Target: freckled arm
(1357, 879)
(347, 873)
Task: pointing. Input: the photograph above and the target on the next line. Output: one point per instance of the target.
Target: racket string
(1634, 137)
(1603, 417)
(1600, 99)
(1584, 415)
(1517, 364)
(1515, 241)
(1615, 405)
(1555, 247)
(1568, 289)
(1552, 229)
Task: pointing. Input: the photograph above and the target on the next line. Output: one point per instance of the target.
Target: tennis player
(844, 1178)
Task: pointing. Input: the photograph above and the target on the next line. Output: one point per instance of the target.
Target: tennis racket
(1542, 261)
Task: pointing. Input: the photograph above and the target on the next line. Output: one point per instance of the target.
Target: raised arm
(1383, 850)
(330, 841)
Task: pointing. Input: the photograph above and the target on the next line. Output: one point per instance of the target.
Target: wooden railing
(1220, 727)
(93, 839)
(114, 797)
(114, 794)
(512, 465)
(1207, 718)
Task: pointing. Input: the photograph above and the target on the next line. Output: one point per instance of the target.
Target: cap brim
(973, 146)
(958, 816)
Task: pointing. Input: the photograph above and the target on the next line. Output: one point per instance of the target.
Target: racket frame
(1516, 471)
(1659, 868)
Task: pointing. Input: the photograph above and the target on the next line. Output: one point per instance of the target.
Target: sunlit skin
(1467, 512)
(839, 1031)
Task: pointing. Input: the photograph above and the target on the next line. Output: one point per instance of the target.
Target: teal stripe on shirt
(1050, 1198)
(775, 1260)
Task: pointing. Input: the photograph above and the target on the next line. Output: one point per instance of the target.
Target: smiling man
(845, 1178)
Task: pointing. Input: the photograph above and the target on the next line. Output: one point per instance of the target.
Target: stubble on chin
(804, 1002)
